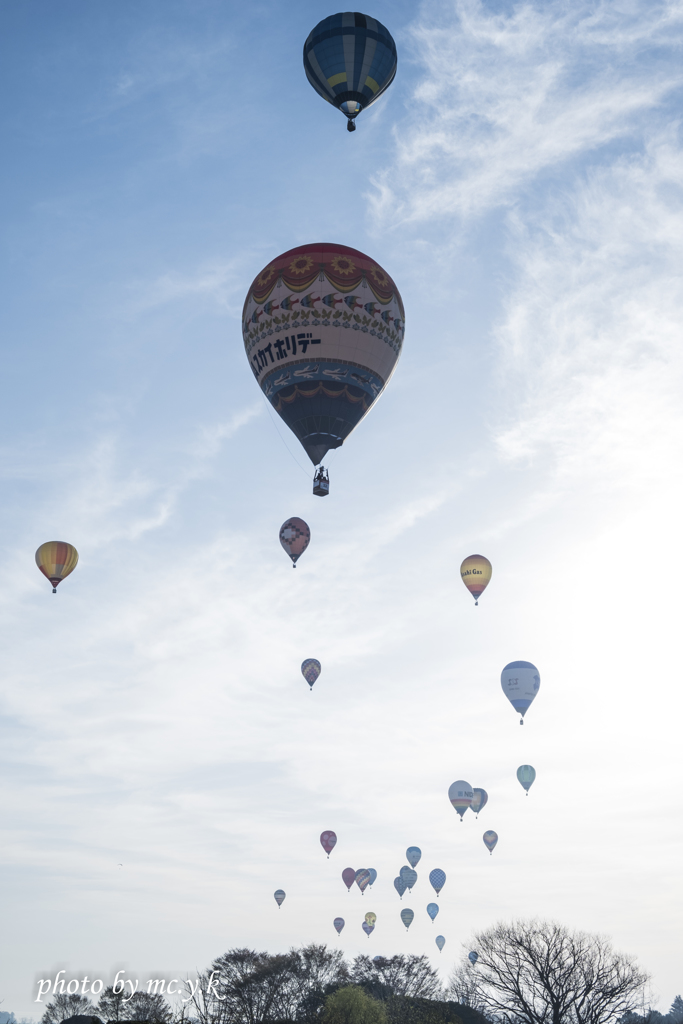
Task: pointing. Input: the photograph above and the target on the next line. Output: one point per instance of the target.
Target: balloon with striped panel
(56, 559)
(476, 572)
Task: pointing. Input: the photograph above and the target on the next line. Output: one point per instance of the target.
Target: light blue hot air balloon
(437, 878)
(400, 886)
(473, 957)
(521, 682)
(440, 941)
(432, 910)
(279, 895)
(407, 917)
(413, 854)
(481, 798)
(409, 876)
(526, 775)
(373, 876)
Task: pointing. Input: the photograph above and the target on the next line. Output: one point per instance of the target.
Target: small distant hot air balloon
(520, 681)
(368, 928)
(56, 559)
(339, 923)
(328, 841)
(310, 670)
(371, 918)
(476, 575)
(479, 801)
(473, 957)
(461, 796)
(348, 877)
(295, 537)
(279, 895)
(373, 876)
(409, 876)
(350, 59)
(526, 775)
(413, 854)
(440, 941)
(432, 910)
(490, 840)
(362, 879)
(407, 917)
(437, 878)
(400, 886)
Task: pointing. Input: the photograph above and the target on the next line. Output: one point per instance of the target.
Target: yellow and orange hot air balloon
(476, 575)
(56, 559)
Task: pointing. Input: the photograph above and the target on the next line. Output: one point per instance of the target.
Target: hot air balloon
(373, 876)
(371, 918)
(328, 841)
(526, 775)
(322, 369)
(409, 876)
(339, 923)
(476, 575)
(520, 681)
(279, 895)
(413, 854)
(348, 877)
(350, 59)
(479, 801)
(490, 840)
(368, 928)
(473, 957)
(310, 670)
(437, 879)
(407, 917)
(461, 796)
(400, 886)
(56, 559)
(295, 537)
(362, 879)
(432, 910)
(440, 941)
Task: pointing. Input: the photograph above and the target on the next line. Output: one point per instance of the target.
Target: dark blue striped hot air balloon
(350, 59)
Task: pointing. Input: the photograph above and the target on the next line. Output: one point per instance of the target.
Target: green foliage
(351, 1005)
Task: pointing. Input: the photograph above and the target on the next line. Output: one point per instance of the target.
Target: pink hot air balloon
(294, 537)
(328, 841)
(348, 877)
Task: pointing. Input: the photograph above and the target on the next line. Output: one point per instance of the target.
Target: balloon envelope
(437, 877)
(473, 957)
(328, 841)
(407, 917)
(461, 796)
(400, 886)
(526, 775)
(370, 917)
(294, 537)
(339, 923)
(350, 59)
(520, 681)
(490, 840)
(56, 559)
(310, 670)
(368, 928)
(440, 941)
(348, 877)
(413, 854)
(279, 895)
(479, 800)
(362, 879)
(323, 329)
(409, 876)
(476, 575)
(432, 910)
(373, 876)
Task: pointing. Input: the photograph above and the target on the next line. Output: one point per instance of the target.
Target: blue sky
(521, 182)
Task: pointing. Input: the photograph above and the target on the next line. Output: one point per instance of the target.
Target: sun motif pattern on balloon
(323, 327)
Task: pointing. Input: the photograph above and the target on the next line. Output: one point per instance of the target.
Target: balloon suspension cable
(270, 413)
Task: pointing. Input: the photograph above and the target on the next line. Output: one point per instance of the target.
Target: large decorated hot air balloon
(362, 879)
(371, 918)
(400, 886)
(526, 776)
(348, 877)
(461, 796)
(409, 876)
(432, 910)
(328, 841)
(295, 537)
(339, 923)
(437, 879)
(413, 854)
(279, 895)
(56, 559)
(490, 839)
(476, 575)
(407, 917)
(310, 670)
(479, 801)
(350, 59)
(440, 941)
(323, 365)
(520, 681)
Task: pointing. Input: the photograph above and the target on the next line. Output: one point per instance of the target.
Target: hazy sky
(521, 182)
